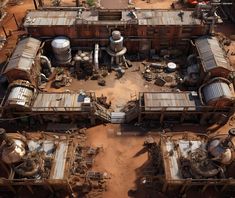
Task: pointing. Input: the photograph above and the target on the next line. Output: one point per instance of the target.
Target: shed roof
(165, 17)
(211, 54)
(144, 17)
(23, 55)
(156, 101)
(59, 102)
(48, 18)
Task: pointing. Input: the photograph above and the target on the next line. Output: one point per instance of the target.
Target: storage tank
(116, 41)
(61, 49)
(20, 96)
(218, 93)
(221, 148)
(116, 49)
(12, 150)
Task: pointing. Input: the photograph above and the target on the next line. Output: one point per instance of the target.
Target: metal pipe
(43, 77)
(96, 57)
(47, 61)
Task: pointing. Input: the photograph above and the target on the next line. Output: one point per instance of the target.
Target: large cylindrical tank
(219, 152)
(116, 41)
(21, 96)
(218, 93)
(61, 49)
(12, 150)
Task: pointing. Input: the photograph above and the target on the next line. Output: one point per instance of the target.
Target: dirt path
(120, 158)
(116, 4)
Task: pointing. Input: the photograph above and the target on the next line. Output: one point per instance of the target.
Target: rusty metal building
(24, 63)
(145, 30)
(47, 162)
(214, 61)
(186, 160)
(185, 106)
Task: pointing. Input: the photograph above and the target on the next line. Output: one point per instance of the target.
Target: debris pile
(61, 79)
(160, 74)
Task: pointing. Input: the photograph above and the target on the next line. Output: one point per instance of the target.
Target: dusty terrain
(117, 4)
(118, 158)
(121, 156)
(116, 90)
(11, 28)
(154, 4)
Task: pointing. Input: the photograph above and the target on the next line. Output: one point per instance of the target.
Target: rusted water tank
(13, 150)
(61, 48)
(21, 95)
(218, 93)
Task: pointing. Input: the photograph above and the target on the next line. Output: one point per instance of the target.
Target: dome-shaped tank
(12, 149)
(20, 96)
(61, 48)
(217, 93)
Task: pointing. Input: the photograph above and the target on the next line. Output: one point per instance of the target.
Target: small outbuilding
(24, 64)
(213, 57)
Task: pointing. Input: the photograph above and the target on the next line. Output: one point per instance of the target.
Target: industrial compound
(186, 63)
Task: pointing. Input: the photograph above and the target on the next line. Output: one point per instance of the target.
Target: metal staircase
(101, 112)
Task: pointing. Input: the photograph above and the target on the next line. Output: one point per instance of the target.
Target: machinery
(52, 161)
(198, 159)
(116, 49)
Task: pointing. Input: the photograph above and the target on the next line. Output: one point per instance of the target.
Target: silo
(218, 93)
(61, 49)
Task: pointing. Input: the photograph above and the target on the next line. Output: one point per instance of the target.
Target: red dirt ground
(155, 4)
(116, 4)
(10, 25)
(118, 158)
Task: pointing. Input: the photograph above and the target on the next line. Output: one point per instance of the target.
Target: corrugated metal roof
(211, 54)
(216, 91)
(59, 102)
(60, 160)
(156, 101)
(23, 55)
(165, 17)
(48, 18)
(144, 17)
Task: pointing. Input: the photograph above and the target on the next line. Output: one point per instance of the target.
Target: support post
(17, 24)
(4, 30)
(162, 115)
(165, 186)
(77, 3)
(35, 4)
(185, 185)
(30, 189)
(48, 186)
(205, 187)
(183, 114)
